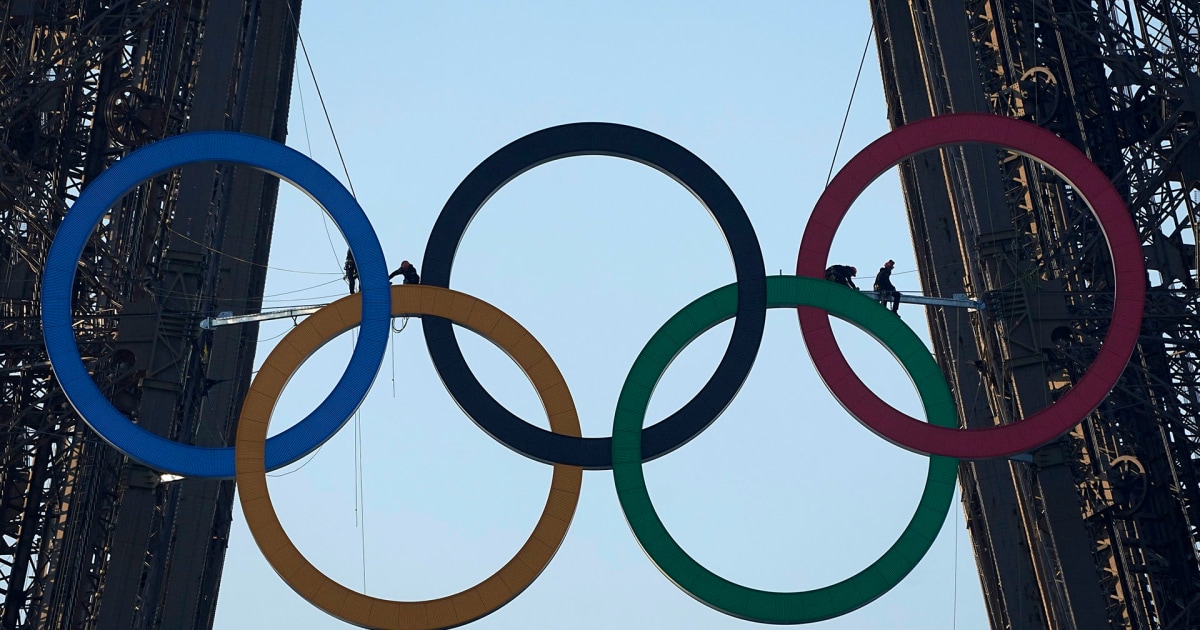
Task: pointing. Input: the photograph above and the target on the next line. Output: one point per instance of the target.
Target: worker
(842, 275)
(408, 271)
(351, 272)
(887, 291)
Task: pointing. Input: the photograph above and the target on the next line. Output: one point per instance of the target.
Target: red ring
(1129, 294)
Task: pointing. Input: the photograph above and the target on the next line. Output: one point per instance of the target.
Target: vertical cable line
(303, 113)
(360, 508)
(360, 512)
(321, 99)
(362, 530)
(308, 142)
(954, 611)
(854, 89)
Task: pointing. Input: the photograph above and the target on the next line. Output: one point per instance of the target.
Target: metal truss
(89, 539)
(1105, 521)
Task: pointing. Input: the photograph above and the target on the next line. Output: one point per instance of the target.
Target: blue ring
(105, 191)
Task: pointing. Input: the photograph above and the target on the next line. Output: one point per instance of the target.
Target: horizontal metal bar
(226, 318)
(958, 301)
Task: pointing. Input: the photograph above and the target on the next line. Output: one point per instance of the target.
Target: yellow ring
(316, 587)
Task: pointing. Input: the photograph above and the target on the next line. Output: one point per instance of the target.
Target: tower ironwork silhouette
(89, 539)
(1098, 529)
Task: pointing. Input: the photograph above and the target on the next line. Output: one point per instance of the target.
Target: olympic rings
(262, 154)
(564, 446)
(1128, 292)
(372, 612)
(640, 146)
(713, 590)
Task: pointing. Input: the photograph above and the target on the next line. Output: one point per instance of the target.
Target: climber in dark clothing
(842, 274)
(887, 291)
(351, 272)
(408, 271)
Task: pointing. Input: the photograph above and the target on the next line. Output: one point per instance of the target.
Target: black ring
(652, 150)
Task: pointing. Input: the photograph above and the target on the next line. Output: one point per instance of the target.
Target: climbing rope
(854, 89)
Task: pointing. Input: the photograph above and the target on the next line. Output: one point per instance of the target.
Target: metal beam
(227, 318)
(1109, 514)
(958, 301)
(85, 541)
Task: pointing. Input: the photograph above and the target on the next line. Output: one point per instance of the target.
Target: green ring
(713, 590)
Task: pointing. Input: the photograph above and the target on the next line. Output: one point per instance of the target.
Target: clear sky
(785, 491)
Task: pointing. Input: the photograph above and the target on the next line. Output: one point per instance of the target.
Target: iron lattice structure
(89, 539)
(1097, 530)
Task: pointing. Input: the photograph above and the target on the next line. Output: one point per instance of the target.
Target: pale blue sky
(784, 492)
